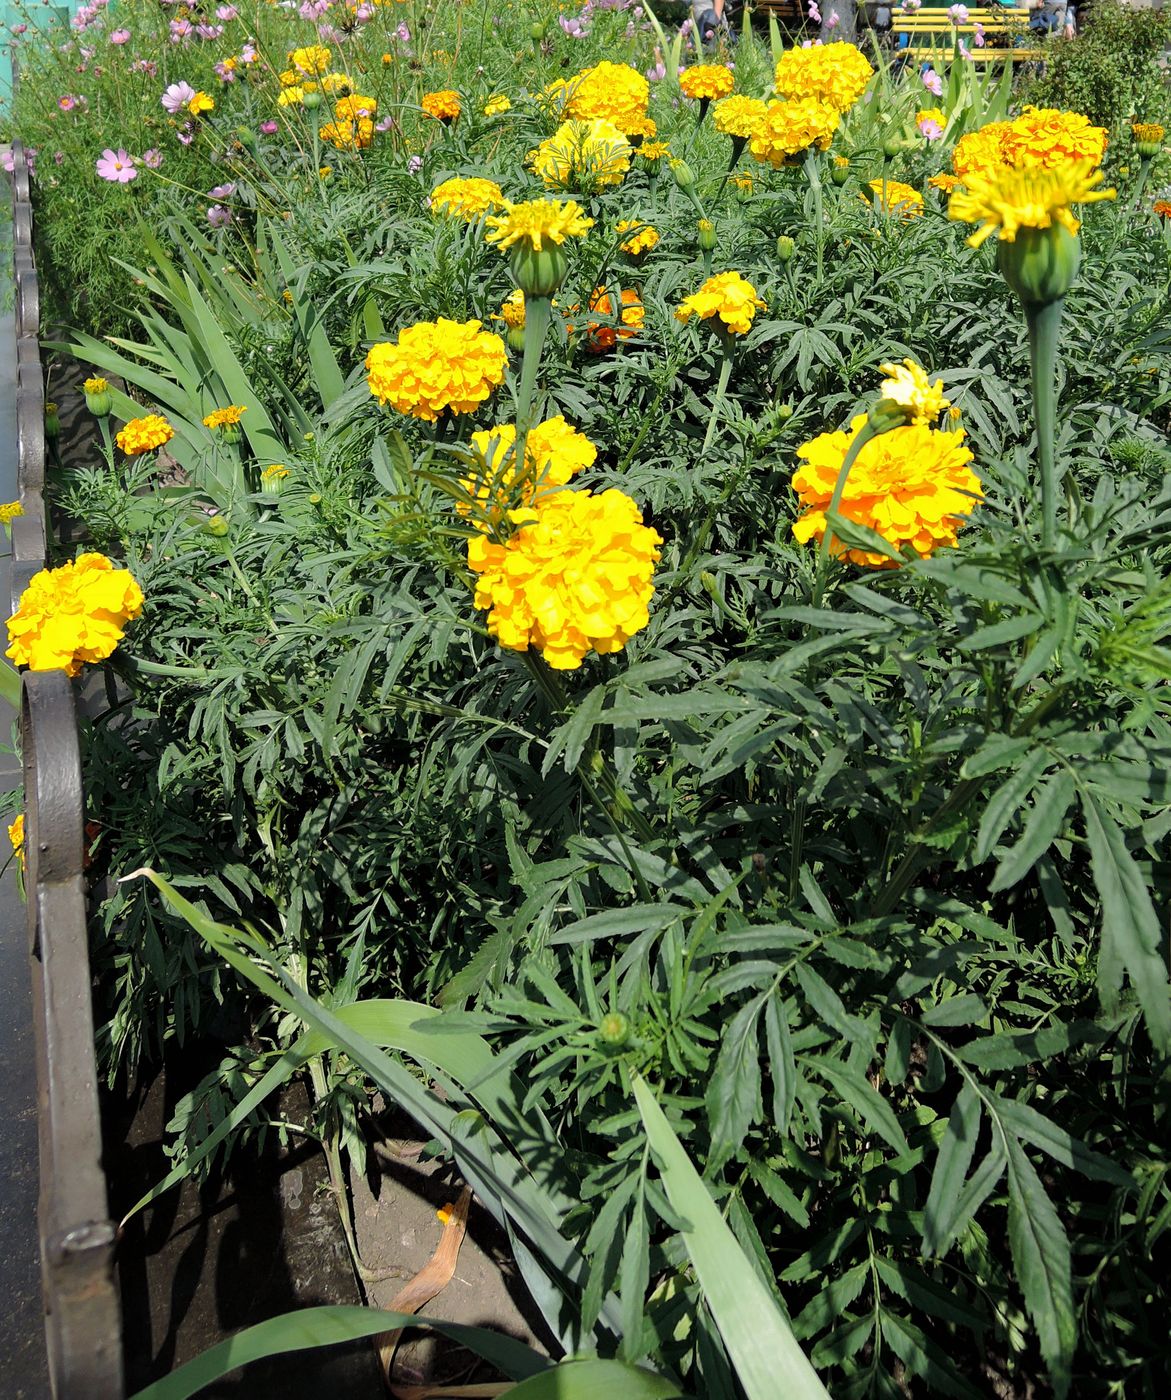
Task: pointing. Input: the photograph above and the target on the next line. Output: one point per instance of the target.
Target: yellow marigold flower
(312, 60)
(354, 108)
(291, 97)
(512, 310)
(912, 485)
(639, 242)
(896, 198)
(652, 151)
(437, 365)
(276, 472)
(496, 105)
(536, 222)
(1150, 132)
(738, 116)
(744, 183)
(726, 296)
(789, 128)
(643, 129)
(444, 106)
(577, 579)
(225, 417)
(837, 74)
(10, 511)
(908, 386)
(289, 78)
(347, 136)
(338, 84)
(584, 155)
(324, 171)
(979, 150)
(944, 182)
(1048, 137)
(96, 385)
(931, 114)
(200, 103)
(16, 836)
(72, 615)
(144, 435)
(1002, 201)
(705, 82)
(467, 199)
(612, 92)
(554, 453)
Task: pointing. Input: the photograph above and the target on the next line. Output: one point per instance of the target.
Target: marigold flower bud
(246, 138)
(614, 1030)
(1040, 264)
(515, 337)
(839, 174)
(97, 397)
(707, 235)
(891, 147)
(538, 272)
(216, 525)
(785, 247)
(52, 423)
(684, 175)
(311, 100)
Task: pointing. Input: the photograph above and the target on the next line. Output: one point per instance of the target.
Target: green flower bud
(272, 480)
(614, 1030)
(315, 498)
(246, 138)
(216, 525)
(784, 412)
(1040, 264)
(707, 235)
(538, 274)
(684, 175)
(100, 404)
(311, 101)
(515, 337)
(839, 174)
(536, 32)
(52, 423)
(891, 147)
(785, 247)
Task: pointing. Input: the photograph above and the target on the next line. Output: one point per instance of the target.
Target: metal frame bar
(82, 1312)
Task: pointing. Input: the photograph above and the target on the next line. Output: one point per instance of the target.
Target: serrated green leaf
(942, 1221)
(733, 1091)
(1006, 801)
(864, 1098)
(1041, 829)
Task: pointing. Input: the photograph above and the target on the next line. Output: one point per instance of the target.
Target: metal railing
(82, 1313)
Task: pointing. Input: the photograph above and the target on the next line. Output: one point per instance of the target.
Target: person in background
(1053, 17)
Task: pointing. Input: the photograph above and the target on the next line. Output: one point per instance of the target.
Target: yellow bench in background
(935, 26)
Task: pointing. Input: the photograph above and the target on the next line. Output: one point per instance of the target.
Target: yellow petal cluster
(577, 579)
(312, 60)
(554, 453)
(1002, 200)
(583, 155)
(613, 92)
(437, 365)
(96, 385)
(225, 417)
(333, 83)
(468, 199)
(706, 81)
(496, 105)
(73, 615)
(9, 511)
(912, 485)
(354, 108)
(642, 241)
(908, 386)
(537, 222)
(16, 836)
(444, 106)
(897, 198)
(833, 73)
(144, 434)
(512, 310)
(200, 103)
(738, 116)
(726, 296)
(1041, 137)
(348, 136)
(788, 128)
(980, 150)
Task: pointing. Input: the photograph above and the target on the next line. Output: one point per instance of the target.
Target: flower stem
(1044, 322)
(867, 432)
(538, 312)
(814, 177)
(721, 390)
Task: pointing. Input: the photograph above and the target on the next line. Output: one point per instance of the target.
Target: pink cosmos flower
(224, 74)
(978, 36)
(814, 12)
(222, 192)
(145, 65)
(152, 159)
(314, 9)
(68, 102)
(958, 14)
(120, 36)
(386, 124)
(269, 128)
(218, 216)
(116, 166)
(19, 29)
(931, 129)
(364, 14)
(403, 34)
(932, 82)
(186, 133)
(176, 97)
(658, 72)
(834, 20)
(181, 30)
(414, 165)
(227, 13)
(209, 31)
(964, 51)
(248, 53)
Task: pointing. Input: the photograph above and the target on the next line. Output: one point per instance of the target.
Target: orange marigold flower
(600, 338)
(144, 435)
(444, 106)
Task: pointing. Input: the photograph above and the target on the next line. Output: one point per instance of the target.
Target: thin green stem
(721, 390)
(1044, 322)
(813, 175)
(868, 432)
(538, 312)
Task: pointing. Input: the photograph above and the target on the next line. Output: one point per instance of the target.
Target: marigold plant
(73, 615)
(444, 105)
(468, 199)
(787, 129)
(585, 155)
(554, 453)
(837, 74)
(576, 579)
(437, 365)
(705, 82)
(600, 338)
